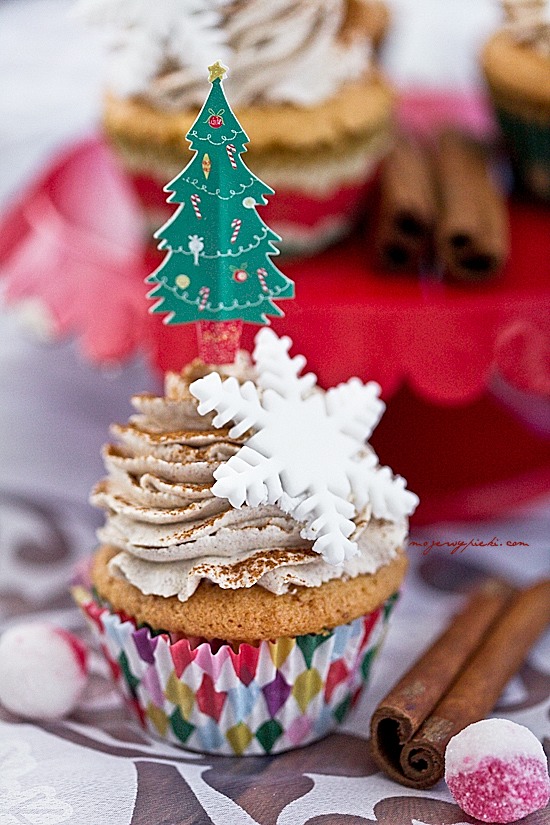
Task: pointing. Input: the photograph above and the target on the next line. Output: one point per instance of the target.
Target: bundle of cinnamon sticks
(441, 205)
(457, 681)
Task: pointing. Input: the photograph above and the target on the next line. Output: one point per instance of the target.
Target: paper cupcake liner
(279, 695)
(529, 144)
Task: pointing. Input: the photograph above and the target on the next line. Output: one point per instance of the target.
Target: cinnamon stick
(472, 229)
(457, 681)
(407, 208)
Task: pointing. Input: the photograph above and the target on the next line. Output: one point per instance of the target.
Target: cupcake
(303, 85)
(516, 63)
(240, 614)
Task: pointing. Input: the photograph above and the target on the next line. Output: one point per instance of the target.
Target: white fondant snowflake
(307, 453)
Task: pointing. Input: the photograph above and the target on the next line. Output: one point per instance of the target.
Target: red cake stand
(74, 243)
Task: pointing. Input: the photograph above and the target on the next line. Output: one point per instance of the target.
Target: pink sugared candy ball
(43, 670)
(496, 771)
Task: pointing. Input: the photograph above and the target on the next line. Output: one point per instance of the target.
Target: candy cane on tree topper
(218, 269)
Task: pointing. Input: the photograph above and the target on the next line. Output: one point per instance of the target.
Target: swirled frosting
(171, 530)
(279, 51)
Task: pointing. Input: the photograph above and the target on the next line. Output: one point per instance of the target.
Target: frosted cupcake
(303, 84)
(516, 62)
(246, 574)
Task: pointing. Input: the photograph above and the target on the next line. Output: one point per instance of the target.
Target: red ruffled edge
(73, 241)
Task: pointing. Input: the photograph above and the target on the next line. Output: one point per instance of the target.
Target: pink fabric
(74, 240)
(424, 112)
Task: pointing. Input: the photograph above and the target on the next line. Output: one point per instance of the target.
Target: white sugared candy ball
(43, 670)
(496, 771)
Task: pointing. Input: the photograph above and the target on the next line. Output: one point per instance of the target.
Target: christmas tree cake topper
(218, 268)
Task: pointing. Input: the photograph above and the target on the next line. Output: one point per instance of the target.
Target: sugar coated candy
(496, 771)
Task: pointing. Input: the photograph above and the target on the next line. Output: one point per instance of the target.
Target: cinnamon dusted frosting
(171, 530)
(279, 51)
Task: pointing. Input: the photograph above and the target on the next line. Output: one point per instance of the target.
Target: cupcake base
(517, 76)
(253, 613)
(257, 699)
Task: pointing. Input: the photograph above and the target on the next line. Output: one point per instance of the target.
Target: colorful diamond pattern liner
(260, 700)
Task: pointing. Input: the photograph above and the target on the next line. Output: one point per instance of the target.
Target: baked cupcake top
(280, 51)
(178, 512)
(519, 76)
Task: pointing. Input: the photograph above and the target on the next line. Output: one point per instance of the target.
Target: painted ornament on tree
(307, 453)
(195, 202)
(261, 273)
(196, 245)
(204, 292)
(231, 155)
(218, 193)
(236, 224)
(182, 281)
(240, 275)
(216, 120)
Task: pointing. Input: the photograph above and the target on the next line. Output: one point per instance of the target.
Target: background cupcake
(231, 628)
(516, 62)
(302, 82)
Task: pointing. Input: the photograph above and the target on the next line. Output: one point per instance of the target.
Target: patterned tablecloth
(98, 766)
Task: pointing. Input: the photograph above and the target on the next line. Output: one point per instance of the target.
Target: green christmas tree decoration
(218, 265)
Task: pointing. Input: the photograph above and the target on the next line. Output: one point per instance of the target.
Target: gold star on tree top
(216, 70)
